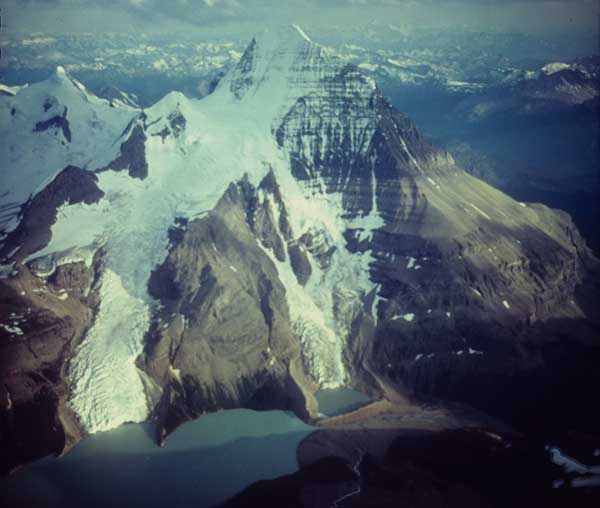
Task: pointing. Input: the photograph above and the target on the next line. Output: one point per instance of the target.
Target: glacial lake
(340, 400)
(205, 462)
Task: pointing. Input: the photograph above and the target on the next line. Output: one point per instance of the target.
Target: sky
(539, 17)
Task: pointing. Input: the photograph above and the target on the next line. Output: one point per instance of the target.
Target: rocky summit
(291, 231)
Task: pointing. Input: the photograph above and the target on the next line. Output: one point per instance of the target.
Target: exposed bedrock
(43, 319)
(511, 333)
(480, 298)
(72, 185)
(132, 155)
(57, 122)
(223, 338)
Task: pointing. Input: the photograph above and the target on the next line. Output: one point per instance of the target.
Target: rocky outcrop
(71, 186)
(42, 320)
(223, 337)
(58, 122)
(132, 156)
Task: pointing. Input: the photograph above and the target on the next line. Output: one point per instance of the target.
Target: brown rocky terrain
(43, 320)
(44, 316)
(223, 337)
(480, 298)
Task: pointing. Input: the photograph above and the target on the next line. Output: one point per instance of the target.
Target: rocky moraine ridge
(290, 231)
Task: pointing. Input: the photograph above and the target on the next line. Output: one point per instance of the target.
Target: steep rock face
(43, 320)
(132, 155)
(468, 281)
(71, 186)
(223, 337)
(57, 122)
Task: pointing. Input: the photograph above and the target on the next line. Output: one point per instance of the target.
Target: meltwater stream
(205, 462)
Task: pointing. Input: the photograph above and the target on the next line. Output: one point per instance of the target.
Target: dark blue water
(205, 462)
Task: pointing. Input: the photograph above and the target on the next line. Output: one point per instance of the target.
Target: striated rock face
(469, 283)
(293, 231)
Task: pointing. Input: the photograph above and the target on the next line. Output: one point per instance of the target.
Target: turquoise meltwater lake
(340, 400)
(204, 463)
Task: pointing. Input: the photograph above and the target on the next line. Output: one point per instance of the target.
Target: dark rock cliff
(223, 339)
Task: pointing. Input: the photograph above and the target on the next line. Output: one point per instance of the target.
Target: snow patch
(478, 293)
(13, 330)
(569, 464)
(553, 68)
(176, 373)
(480, 211)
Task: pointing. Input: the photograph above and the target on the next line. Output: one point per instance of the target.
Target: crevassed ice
(106, 388)
(322, 312)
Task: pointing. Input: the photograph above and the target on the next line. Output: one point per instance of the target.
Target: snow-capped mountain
(574, 83)
(555, 87)
(289, 231)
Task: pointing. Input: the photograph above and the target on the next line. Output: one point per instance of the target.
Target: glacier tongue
(107, 389)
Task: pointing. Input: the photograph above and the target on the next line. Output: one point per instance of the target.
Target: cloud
(152, 15)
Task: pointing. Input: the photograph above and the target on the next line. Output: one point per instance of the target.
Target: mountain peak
(282, 37)
(59, 75)
(270, 56)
